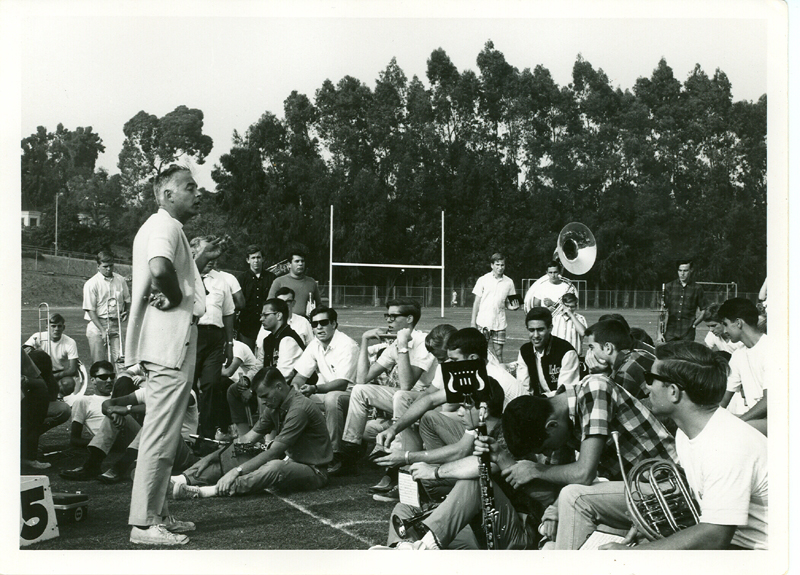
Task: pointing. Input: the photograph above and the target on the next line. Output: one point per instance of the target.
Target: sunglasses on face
(321, 323)
(104, 376)
(650, 377)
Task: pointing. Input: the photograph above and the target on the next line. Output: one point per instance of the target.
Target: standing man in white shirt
(740, 322)
(549, 288)
(166, 300)
(105, 294)
(214, 347)
(333, 356)
(491, 299)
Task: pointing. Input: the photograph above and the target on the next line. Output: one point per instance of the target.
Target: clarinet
(491, 515)
(662, 312)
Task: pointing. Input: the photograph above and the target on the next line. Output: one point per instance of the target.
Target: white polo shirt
(418, 356)
(219, 301)
(99, 289)
(493, 293)
(338, 361)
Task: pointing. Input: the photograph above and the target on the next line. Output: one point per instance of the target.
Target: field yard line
(319, 518)
(362, 522)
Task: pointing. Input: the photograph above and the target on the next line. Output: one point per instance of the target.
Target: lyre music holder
(466, 382)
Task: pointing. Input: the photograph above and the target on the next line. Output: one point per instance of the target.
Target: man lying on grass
(301, 435)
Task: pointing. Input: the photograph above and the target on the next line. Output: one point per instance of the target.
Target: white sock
(178, 479)
(207, 491)
(430, 541)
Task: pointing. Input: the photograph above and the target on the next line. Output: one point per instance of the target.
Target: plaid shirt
(629, 369)
(682, 303)
(597, 406)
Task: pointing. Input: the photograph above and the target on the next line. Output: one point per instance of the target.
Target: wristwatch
(402, 350)
(129, 407)
(239, 470)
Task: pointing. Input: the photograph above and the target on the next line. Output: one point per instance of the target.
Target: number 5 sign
(37, 516)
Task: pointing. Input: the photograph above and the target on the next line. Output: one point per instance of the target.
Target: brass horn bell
(576, 248)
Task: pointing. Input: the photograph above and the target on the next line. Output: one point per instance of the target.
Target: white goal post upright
(400, 266)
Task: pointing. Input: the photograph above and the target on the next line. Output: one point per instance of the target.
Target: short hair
(638, 334)
(163, 179)
(285, 291)
(684, 261)
(711, 313)
(254, 249)
(297, 252)
(611, 331)
(279, 306)
(524, 422)
(555, 264)
(569, 298)
(739, 308)
(702, 373)
(320, 309)
(438, 336)
(195, 241)
(407, 307)
(57, 318)
(469, 340)
(104, 256)
(497, 397)
(541, 314)
(267, 377)
(496, 256)
(616, 317)
(98, 365)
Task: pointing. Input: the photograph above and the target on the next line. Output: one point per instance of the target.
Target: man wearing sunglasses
(724, 458)
(297, 322)
(333, 357)
(87, 410)
(407, 361)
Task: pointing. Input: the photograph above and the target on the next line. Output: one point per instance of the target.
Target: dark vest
(551, 363)
(272, 344)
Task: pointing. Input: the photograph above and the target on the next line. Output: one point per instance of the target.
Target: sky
(100, 70)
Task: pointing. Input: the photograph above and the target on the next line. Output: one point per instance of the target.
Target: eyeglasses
(263, 315)
(321, 323)
(392, 316)
(650, 377)
(104, 376)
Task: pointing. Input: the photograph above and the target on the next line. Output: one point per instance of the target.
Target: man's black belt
(208, 327)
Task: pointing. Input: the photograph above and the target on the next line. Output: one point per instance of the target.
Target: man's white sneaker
(184, 491)
(157, 535)
(177, 526)
(33, 464)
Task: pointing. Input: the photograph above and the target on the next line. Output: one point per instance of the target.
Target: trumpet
(44, 322)
(112, 301)
(658, 500)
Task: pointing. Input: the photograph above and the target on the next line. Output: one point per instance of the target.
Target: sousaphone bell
(576, 248)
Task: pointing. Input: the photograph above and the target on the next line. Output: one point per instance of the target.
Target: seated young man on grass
(87, 410)
(296, 460)
(725, 459)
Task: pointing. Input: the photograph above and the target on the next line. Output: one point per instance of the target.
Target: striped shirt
(597, 406)
(564, 327)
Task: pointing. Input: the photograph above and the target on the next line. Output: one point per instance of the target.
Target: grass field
(340, 516)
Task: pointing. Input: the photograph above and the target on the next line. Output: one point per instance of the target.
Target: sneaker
(157, 535)
(391, 496)
(111, 476)
(384, 485)
(33, 464)
(176, 526)
(79, 473)
(183, 491)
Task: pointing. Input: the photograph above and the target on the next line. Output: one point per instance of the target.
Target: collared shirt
(418, 356)
(288, 353)
(544, 288)
(60, 351)
(564, 327)
(568, 367)
(300, 426)
(338, 361)
(682, 303)
(98, 289)
(629, 369)
(231, 280)
(747, 371)
(219, 300)
(255, 289)
(598, 406)
(154, 335)
(493, 293)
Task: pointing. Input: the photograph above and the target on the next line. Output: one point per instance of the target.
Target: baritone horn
(658, 499)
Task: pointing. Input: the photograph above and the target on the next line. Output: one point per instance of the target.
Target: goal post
(333, 263)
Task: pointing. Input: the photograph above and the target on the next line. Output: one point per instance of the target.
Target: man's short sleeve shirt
(338, 361)
(493, 293)
(418, 356)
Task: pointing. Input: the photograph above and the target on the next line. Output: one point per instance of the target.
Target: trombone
(44, 322)
(112, 301)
